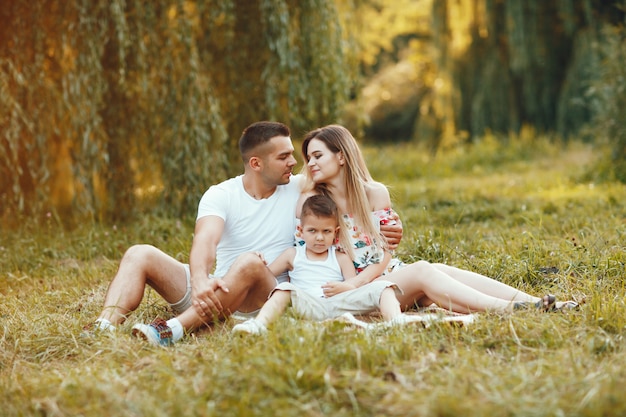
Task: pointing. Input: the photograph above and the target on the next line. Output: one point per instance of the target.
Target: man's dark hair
(319, 205)
(258, 134)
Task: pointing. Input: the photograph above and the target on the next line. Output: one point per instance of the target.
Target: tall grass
(522, 215)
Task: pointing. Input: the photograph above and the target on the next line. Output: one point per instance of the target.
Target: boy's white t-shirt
(264, 225)
(310, 275)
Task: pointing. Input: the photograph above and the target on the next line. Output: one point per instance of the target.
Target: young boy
(311, 266)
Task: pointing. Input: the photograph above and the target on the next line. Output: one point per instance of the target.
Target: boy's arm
(347, 272)
(283, 263)
(351, 279)
(346, 265)
(370, 273)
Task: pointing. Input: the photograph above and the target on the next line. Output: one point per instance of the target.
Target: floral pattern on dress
(367, 250)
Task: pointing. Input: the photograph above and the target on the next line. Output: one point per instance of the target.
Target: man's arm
(391, 228)
(207, 235)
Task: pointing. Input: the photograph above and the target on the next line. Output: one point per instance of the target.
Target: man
(251, 212)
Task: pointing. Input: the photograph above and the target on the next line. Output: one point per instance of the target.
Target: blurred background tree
(111, 107)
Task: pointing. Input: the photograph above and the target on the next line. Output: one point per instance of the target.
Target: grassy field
(528, 215)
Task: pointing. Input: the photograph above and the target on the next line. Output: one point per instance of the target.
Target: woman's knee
(421, 268)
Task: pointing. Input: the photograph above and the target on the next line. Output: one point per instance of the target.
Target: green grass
(522, 214)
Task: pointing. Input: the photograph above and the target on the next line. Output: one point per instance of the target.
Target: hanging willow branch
(521, 66)
(112, 106)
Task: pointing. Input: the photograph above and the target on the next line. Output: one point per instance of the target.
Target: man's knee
(140, 252)
(249, 264)
(137, 251)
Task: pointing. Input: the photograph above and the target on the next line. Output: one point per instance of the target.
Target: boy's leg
(277, 303)
(274, 307)
(378, 295)
(389, 304)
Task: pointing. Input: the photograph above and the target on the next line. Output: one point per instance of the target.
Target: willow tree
(608, 96)
(519, 62)
(110, 104)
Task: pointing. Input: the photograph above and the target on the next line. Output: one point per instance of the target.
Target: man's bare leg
(249, 283)
(142, 265)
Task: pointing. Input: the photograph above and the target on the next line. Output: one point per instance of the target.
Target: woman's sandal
(547, 304)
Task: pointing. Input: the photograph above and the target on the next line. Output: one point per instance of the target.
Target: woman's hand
(334, 288)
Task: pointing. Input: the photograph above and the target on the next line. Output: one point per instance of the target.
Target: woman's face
(324, 165)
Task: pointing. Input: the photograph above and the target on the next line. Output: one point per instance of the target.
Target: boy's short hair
(319, 206)
(257, 134)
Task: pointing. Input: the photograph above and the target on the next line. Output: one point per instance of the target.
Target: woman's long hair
(357, 177)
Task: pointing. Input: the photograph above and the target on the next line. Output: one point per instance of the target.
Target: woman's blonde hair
(339, 139)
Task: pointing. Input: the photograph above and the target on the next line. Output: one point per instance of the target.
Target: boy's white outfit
(264, 225)
(307, 296)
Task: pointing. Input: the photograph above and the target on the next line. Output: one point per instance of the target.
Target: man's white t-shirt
(265, 225)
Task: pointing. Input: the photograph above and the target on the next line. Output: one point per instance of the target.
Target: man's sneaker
(251, 326)
(157, 333)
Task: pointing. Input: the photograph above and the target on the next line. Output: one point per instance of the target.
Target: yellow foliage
(374, 24)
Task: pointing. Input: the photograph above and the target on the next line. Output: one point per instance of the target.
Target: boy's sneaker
(157, 333)
(251, 326)
(348, 318)
(401, 320)
(93, 330)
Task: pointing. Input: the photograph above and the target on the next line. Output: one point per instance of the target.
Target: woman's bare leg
(486, 285)
(423, 279)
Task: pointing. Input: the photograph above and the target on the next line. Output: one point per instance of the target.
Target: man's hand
(203, 296)
(392, 230)
(335, 287)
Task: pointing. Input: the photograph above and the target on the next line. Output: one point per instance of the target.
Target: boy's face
(318, 232)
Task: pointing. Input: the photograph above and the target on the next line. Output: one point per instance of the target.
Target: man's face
(278, 161)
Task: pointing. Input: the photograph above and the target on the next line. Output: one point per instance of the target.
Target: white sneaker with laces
(251, 326)
(401, 320)
(157, 333)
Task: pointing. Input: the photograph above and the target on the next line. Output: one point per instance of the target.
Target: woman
(335, 167)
